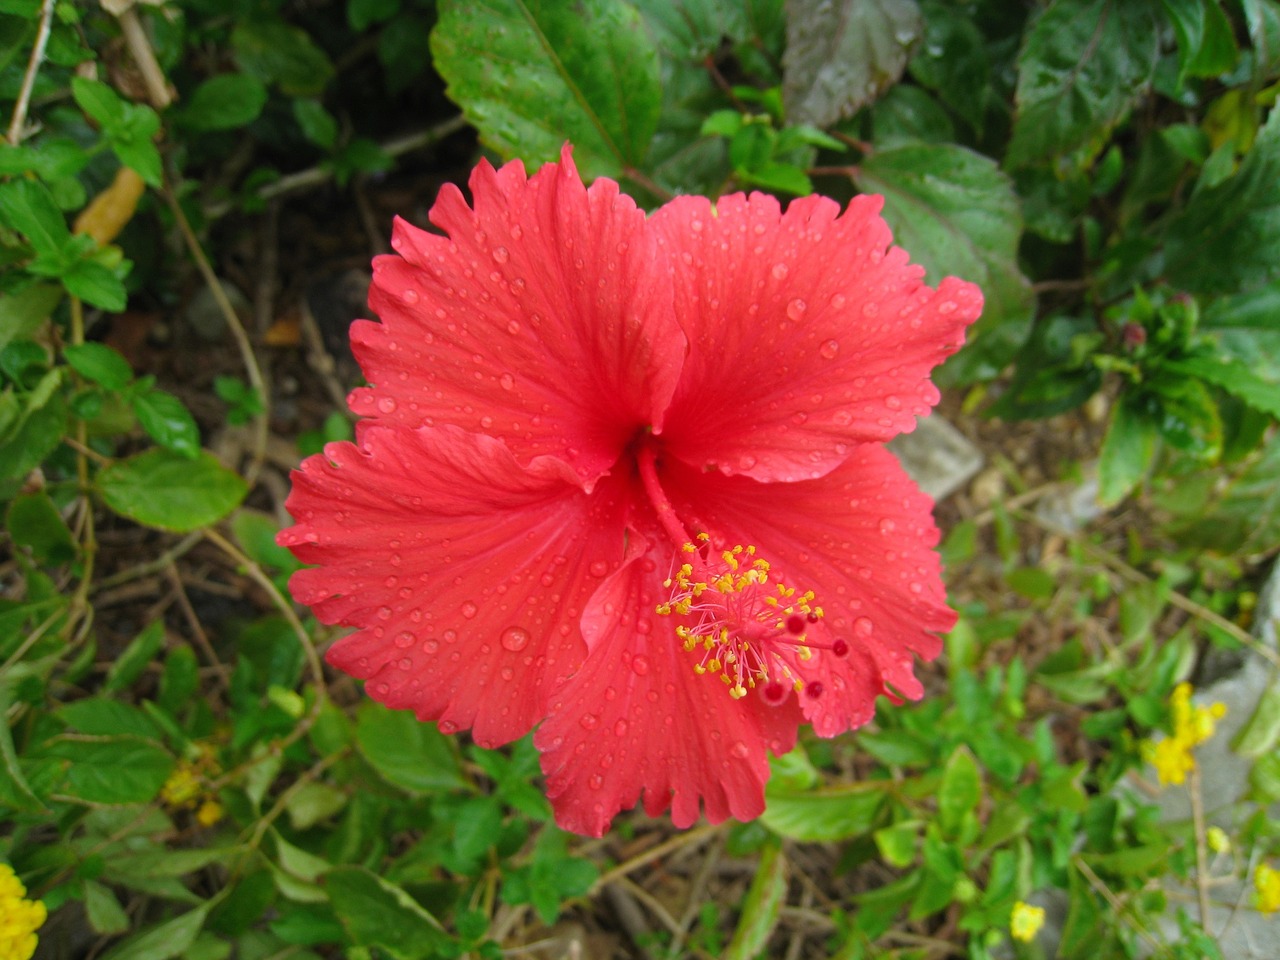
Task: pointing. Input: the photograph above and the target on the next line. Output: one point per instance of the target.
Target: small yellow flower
(19, 918)
(1217, 840)
(1266, 885)
(182, 789)
(210, 812)
(1192, 725)
(1026, 921)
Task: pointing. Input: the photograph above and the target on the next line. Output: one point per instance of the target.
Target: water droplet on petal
(507, 381)
(430, 646)
(405, 640)
(500, 254)
(598, 568)
(779, 271)
(588, 721)
(829, 349)
(595, 781)
(640, 665)
(386, 405)
(469, 609)
(838, 301)
(796, 309)
(515, 639)
(447, 726)
(863, 627)
(620, 728)
(411, 297)
(887, 526)
(739, 750)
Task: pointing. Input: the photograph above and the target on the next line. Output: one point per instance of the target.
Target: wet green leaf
(376, 913)
(1082, 67)
(762, 906)
(533, 74)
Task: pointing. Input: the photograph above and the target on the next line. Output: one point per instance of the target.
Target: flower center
(742, 629)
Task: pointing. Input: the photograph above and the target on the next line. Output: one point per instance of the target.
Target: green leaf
(379, 914)
(26, 206)
(1206, 47)
(15, 791)
(137, 656)
(99, 101)
(960, 791)
(25, 310)
(1083, 66)
(105, 914)
(99, 363)
(825, 815)
(841, 56)
(1261, 734)
(34, 522)
(413, 755)
(168, 422)
(96, 284)
(957, 215)
(225, 102)
(1235, 378)
(952, 60)
(113, 770)
(533, 74)
(762, 906)
(275, 52)
(173, 938)
(317, 123)
(897, 844)
(162, 489)
(1227, 239)
(1127, 449)
(98, 716)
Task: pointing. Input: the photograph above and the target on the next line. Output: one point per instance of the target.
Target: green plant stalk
(89, 542)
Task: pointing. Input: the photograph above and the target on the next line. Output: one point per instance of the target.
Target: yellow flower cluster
(1266, 884)
(19, 918)
(1026, 921)
(1192, 725)
(185, 789)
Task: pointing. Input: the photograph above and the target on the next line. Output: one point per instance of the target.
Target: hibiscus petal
(861, 538)
(536, 320)
(808, 332)
(464, 571)
(637, 719)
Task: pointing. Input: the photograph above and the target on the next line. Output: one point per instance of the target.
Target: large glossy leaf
(532, 74)
(1227, 239)
(956, 213)
(166, 490)
(841, 56)
(1084, 64)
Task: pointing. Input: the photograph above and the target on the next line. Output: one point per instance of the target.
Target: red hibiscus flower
(621, 480)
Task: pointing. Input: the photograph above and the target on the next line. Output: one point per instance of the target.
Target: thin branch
(140, 49)
(1202, 853)
(656, 853)
(281, 603)
(247, 356)
(21, 105)
(322, 173)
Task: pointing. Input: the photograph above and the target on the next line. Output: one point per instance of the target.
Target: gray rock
(937, 456)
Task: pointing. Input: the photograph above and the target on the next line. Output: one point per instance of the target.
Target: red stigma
(796, 623)
(840, 648)
(774, 693)
(813, 690)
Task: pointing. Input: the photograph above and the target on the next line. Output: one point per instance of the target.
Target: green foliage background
(1106, 170)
